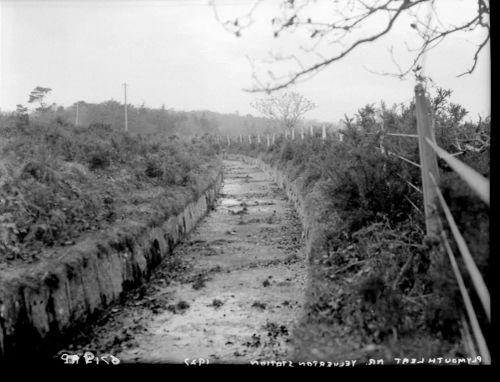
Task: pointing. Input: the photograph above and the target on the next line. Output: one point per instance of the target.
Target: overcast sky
(176, 53)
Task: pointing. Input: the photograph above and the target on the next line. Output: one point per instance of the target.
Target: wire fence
(434, 201)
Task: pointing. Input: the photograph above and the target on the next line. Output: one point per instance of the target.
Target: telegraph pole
(125, 92)
(76, 119)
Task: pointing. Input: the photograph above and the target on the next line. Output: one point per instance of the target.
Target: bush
(153, 168)
(73, 179)
(99, 158)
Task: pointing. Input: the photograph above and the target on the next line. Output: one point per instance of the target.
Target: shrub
(287, 152)
(99, 158)
(53, 197)
(154, 168)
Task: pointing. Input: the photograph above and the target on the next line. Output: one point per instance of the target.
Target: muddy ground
(231, 293)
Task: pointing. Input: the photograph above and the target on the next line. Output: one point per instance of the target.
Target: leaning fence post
(428, 160)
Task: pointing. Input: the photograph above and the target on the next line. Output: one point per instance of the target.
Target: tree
(343, 26)
(21, 110)
(38, 95)
(286, 109)
(22, 114)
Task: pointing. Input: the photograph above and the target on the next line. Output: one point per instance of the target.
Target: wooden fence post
(428, 161)
(381, 143)
(249, 139)
(311, 131)
(258, 138)
(323, 133)
(274, 136)
(293, 134)
(228, 141)
(268, 141)
(302, 133)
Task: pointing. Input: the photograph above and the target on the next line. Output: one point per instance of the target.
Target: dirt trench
(230, 293)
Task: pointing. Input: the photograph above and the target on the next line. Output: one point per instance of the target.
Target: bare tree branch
(348, 17)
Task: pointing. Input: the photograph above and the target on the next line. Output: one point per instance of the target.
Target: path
(230, 293)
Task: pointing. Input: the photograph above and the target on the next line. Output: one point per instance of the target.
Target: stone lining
(47, 302)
